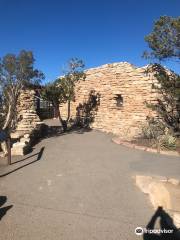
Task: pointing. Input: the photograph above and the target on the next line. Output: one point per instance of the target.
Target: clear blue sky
(97, 31)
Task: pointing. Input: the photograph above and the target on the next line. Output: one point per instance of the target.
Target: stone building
(120, 92)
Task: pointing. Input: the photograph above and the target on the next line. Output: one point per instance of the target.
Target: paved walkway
(78, 187)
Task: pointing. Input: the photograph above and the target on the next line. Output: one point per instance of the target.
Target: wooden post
(9, 150)
(5, 139)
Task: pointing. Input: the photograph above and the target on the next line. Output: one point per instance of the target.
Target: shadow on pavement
(168, 231)
(3, 210)
(56, 131)
(39, 155)
(24, 159)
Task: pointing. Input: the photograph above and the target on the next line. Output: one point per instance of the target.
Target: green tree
(73, 74)
(62, 90)
(54, 93)
(168, 103)
(164, 42)
(16, 72)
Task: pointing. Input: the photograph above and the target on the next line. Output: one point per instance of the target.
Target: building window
(119, 100)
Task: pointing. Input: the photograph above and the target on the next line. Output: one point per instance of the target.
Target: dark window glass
(119, 100)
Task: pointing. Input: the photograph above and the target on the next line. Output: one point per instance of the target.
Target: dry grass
(150, 143)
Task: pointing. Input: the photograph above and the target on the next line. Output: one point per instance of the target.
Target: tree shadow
(39, 156)
(86, 112)
(56, 131)
(85, 115)
(168, 230)
(3, 210)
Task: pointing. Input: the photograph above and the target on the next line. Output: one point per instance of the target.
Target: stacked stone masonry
(28, 123)
(27, 116)
(122, 79)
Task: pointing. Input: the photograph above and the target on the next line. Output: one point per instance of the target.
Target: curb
(143, 148)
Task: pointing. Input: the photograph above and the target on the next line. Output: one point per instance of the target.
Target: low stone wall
(122, 90)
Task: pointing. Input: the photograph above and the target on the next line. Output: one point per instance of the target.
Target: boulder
(162, 192)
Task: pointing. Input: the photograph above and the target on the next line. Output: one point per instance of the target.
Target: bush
(153, 129)
(167, 141)
(161, 137)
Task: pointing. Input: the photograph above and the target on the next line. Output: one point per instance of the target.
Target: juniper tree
(73, 74)
(168, 103)
(16, 72)
(62, 90)
(164, 42)
(54, 93)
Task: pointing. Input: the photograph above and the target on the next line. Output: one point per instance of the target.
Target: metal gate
(44, 109)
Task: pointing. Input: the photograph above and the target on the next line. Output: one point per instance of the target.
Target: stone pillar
(26, 108)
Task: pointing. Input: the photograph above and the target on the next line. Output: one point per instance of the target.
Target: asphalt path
(78, 186)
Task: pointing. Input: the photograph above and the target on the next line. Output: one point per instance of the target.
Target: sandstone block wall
(111, 81)
(28, 123)
(27, 116)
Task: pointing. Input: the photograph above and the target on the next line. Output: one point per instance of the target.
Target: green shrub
(153, 129)
(168, 141)
(160, 136)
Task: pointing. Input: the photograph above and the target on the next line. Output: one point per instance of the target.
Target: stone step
(25, 140)
(15, 135)
(20, 149)
(26, 126)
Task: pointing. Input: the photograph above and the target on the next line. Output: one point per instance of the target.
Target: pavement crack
(73, 213)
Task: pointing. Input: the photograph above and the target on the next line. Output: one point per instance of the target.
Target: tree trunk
(4, 148)
(6, 126)
(62, 122)
(69, 111)
(8, 117)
